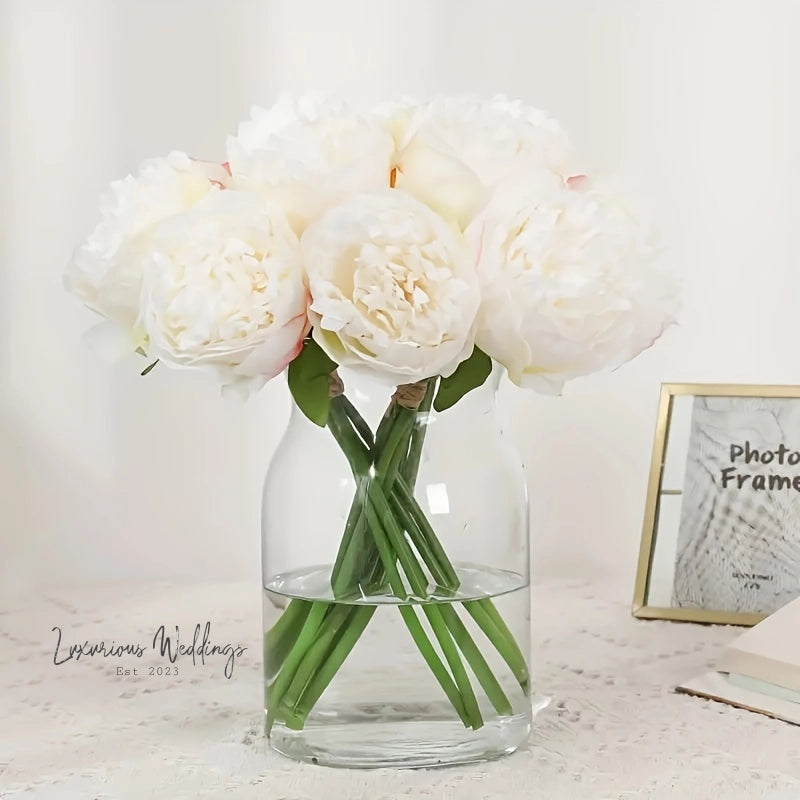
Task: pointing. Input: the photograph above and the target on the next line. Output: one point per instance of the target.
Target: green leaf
(309, 375)
(148, 368)
(469, 375)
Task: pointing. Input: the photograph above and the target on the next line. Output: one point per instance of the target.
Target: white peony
(223, 287)
(569, 281)
(393, 287)
(106, 271)
(452, 152)
(308, 154)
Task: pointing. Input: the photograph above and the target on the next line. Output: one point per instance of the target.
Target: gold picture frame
(669, 391)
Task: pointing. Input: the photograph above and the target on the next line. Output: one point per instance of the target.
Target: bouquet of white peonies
(417, 242)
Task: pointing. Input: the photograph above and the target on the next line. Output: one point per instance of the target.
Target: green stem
(393, 452)
(351, 632)
(388, 535)
(280, 638)
(385, 469)
(304, 641)
(358, 422)
(444, 637)
(395, 480)
(351, 544)
(352, 549)
(411, 466)
(434, 555)
(345, 583)
(455, 692)
(477, 662)
(309, 655)
(386, 424)
(355, 452)
(385, 551)
(443, 574)
(406, 497)
(498, 632)
(493, 625)
(440, 630)
(315, 654)
(359, 618)
(416, 577)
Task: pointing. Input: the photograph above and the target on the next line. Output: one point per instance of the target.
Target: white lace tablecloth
(614, 728)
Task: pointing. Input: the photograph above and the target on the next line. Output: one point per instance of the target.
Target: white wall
(105, 475)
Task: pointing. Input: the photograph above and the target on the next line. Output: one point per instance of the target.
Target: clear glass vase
(396, 581)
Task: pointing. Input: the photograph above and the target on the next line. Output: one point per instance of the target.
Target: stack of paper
(760, 670)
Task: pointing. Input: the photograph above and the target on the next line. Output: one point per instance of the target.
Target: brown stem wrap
(409, 395)
(335, 385)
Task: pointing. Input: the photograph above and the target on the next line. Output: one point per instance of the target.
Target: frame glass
(721, 534)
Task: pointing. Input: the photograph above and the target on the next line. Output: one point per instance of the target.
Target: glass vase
(396, 581)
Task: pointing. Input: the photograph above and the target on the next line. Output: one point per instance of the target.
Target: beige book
(759, 670)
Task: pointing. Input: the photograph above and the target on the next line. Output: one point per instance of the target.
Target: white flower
(453, 151)
(224, 288)
(429, 168)
(569, 281)
(106, 271)
(308, 154)
(393, 287)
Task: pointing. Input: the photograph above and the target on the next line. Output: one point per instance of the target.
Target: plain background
(108, 476)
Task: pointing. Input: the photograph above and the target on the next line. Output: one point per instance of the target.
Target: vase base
(410, 743)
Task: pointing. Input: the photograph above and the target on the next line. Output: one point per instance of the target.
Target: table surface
(613, 729)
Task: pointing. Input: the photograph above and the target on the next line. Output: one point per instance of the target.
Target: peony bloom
(308, 154)
(393, 287)
(223, 288)
(452, 152)
(106, 271)
(429, 168)
(568, 279)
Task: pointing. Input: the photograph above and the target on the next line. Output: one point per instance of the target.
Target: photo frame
(721, 532)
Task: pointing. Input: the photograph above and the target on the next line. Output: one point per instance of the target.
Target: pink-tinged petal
(216, 173)
(277, 350)
(578, 182)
